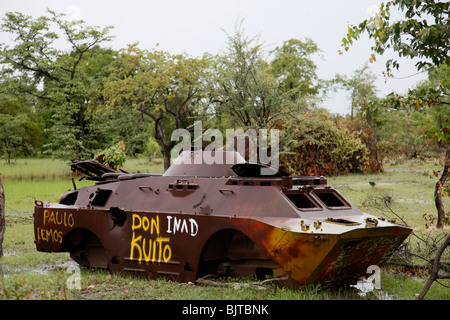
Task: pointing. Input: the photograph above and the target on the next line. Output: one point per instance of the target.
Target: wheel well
(80, 239)
(231, 252)
(216, 248)
(85, 248)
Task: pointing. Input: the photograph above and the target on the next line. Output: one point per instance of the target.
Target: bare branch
(436, 266)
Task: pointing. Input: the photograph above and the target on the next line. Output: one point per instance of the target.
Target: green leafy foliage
(164, 87)
(11, 134)
(257, 93)
(423, 33)
(294, 69)
(361, 86)
(35, 67)
(74, 102)
(114, 156)
(322, 145)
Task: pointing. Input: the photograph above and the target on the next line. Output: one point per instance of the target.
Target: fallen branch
(255, 285)
(434, 272)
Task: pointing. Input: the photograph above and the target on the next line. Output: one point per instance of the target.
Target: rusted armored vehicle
(226, 218)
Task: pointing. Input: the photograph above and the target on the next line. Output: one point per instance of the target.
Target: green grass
(27, 180)
(20, 195)
(408, 191)
(143, 165)
(29, 274)
(38, 169)
(34, 169)
(405, 286)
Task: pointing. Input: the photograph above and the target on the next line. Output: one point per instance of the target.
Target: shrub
(114, 157)
(320, 146)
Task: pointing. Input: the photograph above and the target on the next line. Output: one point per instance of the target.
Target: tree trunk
(437, 192)
(166, 156)
(2, 216)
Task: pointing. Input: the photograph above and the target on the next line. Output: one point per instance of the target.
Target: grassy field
(404, 190)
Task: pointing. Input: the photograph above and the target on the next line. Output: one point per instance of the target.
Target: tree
(434, 91)
(294, 69)
(423, 34)
(11, 134)
(160, 85)
(365, 109)
(35, 66)
(259, 94)
(361, 85)
(243, 86)
(130, 126)
(23, 108)
(416, 38)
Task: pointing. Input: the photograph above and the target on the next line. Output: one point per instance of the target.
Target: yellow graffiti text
(49, 235)
(144, 223)
(56, 218)
(146, 242)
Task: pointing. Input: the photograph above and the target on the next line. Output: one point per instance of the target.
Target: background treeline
(64, 93)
